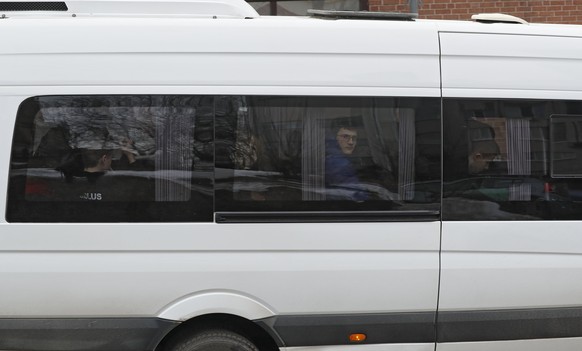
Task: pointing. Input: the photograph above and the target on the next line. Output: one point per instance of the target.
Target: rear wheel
(214, 340)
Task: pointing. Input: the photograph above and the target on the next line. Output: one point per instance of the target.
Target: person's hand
(128, 150)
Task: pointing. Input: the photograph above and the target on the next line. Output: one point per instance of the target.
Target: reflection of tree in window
(154, 129)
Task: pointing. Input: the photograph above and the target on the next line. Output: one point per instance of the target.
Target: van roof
(130, 8)
(158, 10)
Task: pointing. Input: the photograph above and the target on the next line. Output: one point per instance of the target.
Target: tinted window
(277, 153)
(112, 159)
(566, 147)
(509, 160)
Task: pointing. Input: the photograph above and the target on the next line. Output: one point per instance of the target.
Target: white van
(188, 175)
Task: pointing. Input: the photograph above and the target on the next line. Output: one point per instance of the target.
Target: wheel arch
(212, 302)
(227, 310)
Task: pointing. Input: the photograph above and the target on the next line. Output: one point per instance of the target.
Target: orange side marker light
(357, 337)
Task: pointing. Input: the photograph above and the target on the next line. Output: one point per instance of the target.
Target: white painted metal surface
(8, 108)
(511, 265)
(510, 66)
(149, 8)
(288, 269)
(173, 270)
(188, 271)
(251, 53)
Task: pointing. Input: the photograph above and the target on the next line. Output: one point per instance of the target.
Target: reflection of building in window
(490, 128)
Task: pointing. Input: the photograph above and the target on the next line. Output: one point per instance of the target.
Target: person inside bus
(471, 152)
(483, 184)
(96, 163)
(82, 170)
(103, 184)
(482, 155)
(129, 158)
(85, 163)
(340, 172)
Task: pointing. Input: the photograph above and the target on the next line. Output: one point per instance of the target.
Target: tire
(214, 340)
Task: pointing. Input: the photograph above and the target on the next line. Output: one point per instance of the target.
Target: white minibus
(191, 176)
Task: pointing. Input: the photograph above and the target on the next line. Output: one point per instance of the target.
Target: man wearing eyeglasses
(347, 140)
(341, 177)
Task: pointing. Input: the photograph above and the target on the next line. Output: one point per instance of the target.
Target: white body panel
(510, 265)
(491, 265)
(303, 268)
(180, 271)
(150, 8)
(8, 108)
(511, 65)
(252, 54)
(184, 273)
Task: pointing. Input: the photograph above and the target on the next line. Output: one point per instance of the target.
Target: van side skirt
(82, 334)
(133, 334)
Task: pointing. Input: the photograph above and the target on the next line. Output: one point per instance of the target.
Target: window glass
(566, 146)
(112, 159)
(505, 160)
(282, 153)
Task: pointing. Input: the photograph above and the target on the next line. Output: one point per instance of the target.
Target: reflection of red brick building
(542, 11)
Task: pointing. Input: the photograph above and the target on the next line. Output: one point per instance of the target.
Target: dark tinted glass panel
(112, 159)
(508, 160)
(566, 146)
(280, 153)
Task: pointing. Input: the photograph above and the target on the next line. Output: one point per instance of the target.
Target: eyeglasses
(348, 137)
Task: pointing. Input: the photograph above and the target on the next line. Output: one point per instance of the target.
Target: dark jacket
(341, 175)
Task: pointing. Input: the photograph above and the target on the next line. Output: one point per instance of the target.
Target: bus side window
(111, 159)
(288, 153)
(509, 160)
